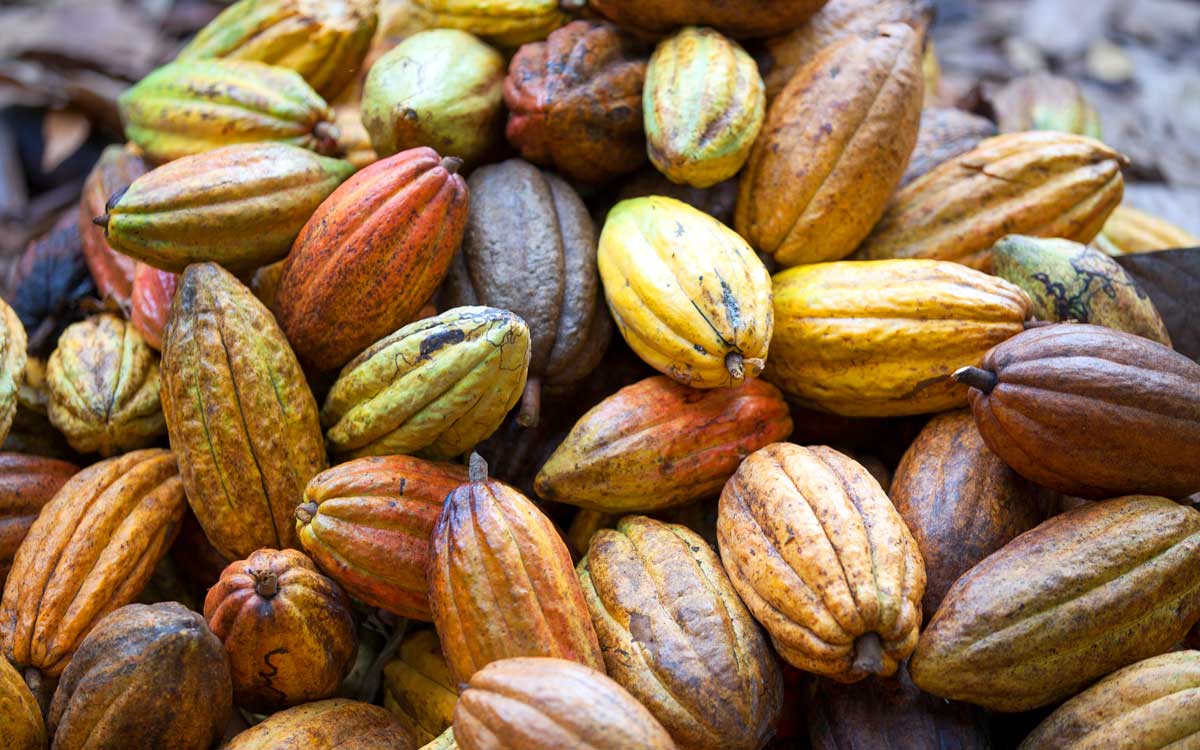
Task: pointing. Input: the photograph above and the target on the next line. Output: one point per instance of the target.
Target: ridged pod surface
(153, 293)
(239, 413)
(27, 483)
(656, 443)
(1129, 230)
(367, 523)
(104, 382)
(335, 724)
(1085, 593)
(437, 387)
(90, 551)
(676, 636)
(761, 18)
(324, 42)
(371, 256)
(1039, 183)
(241, 206)
(945, 133)
(20, 715)
(502, 584)
(116, 169)
(882, 338)
(507, 23)
(145, 677)
(703, 106)
(687, 293)
(822, 560)
(417, 687)
(186, 108)
(833, 148)
(12, 365)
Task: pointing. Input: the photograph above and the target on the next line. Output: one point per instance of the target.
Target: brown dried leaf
(1172, 279)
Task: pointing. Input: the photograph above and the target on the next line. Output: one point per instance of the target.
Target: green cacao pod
(12, 365)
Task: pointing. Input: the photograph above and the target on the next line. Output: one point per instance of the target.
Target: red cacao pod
(112, 271)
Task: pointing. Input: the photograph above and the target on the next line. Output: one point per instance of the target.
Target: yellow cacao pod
(12, 365)
(417, 686)
(1129, 230)
(508, 23)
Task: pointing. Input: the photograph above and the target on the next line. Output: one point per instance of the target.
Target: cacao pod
(1042, 101)
(501, 581)
(656, 444)
(27, 483)
(945, 133)
(367, 523)
(575, 102)
(112, 271)
(324, 42)
(145, 677)
(1084, 593)
(371, 256)
(240, 206)
(437, 386)
(1129, 230)
(703, 104)
(686, 292)
(882, 338)
(239, 413)
(12, 365)
(508, 23)
(104, 382)
(353, 138)
(334, 724)
(153, 292)
(834, 147)
(90, 551)
(552, 704)
(444, 741)
(703, 668)
(417, 687)
(788, 517)
(1136, 401)
(19, 713)
(717, 201)
(530, 248)
(48, 284)
(758, 18)
(1038, 183)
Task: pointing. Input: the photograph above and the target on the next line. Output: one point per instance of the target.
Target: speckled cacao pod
(507, 23)
(19, 713)
(104, 382)
(145, 677)
(417, 687)
(12, 365)
(945, 133)
(334, 724)
(788, 517)
(530, 248)
(239, 412)
(575, 102)
(27, 483)
(717, 201)
(757, 18)
(1129, 230)
(153, 292)
(704, 669)
(47, 284)
(112, 271)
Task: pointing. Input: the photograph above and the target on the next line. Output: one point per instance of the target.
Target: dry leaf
(1172, 279)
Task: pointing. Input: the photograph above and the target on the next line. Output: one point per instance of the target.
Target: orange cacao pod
(334, 724)
(153, 292)
(26, 484)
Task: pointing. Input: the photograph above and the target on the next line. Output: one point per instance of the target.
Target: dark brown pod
(26, 484)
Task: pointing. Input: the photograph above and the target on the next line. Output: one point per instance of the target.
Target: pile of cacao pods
(886, 452)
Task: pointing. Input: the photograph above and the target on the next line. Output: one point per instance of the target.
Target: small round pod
(334, 724)
(417, 689)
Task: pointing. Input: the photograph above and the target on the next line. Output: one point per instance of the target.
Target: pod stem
(305, 512)
(452, 164)
(477, 468)
(266, 583)
(531, 403)
(984, 380)
(868, 653)
(101, 221)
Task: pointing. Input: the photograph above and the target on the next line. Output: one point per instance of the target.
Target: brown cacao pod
(1137, 402)
(659, 443)
(703, 669)
(750, 19)
(371, 256)
(1084, 593)
(287, 629)
(367, 524)
(530, 248)
(960, 501)
(417, 687)
(112, 271)
(90, 551)
(146, 677)
(501, 581)
(239, 412)
(334, 724)
(788, 517)
(552, 704)
(27, 483)
(575, 102)
(19, 713)
(153, 292)
(833, 148)
(945, 133)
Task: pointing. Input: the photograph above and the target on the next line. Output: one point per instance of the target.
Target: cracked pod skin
(367, 524)
(20, 715)
(676, 636)
(736, 19)
(27, 483)
(371, 256)
(790, 520)
(239, 413)
(145, 677)
(687, 293)
(288, 630)
(113, 271)
(334, 724)
(12, 365)
(417, 687)
(505, 23)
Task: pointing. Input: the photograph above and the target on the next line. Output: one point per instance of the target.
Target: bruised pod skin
(703, 105)
(507, 23)
(240, 206)
(367, 524)
(371, 256)
(90, 551)
(751, 19)
(676, 636)
(334, 724)
(112, 271)
(657, 444)
(288, 630)
(788, 517)
(27, 483)
(239, 413)
(20, 715)
(530, 248)
(153, 292)
(1091, 412)
(146, 678)
(417, 687)
(882, 339)
(501, 581)
(687, 293)
(552, 704)
(12, 365)
(575, 102)
(833, 149)
(1085, 593)
(1038, 183)
(437, 387)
